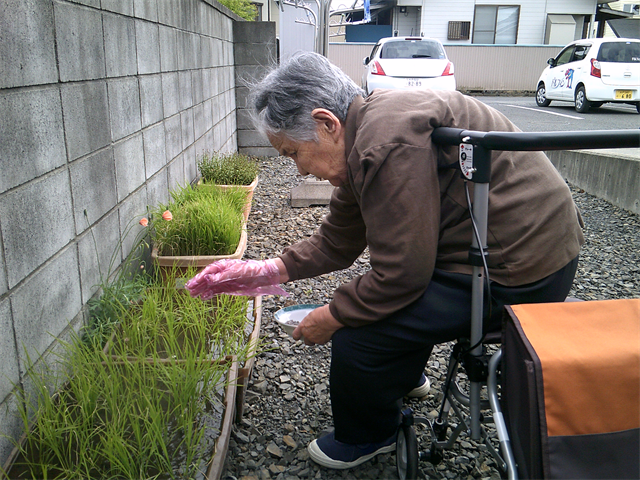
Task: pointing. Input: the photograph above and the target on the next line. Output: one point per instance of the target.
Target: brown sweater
(412, 213)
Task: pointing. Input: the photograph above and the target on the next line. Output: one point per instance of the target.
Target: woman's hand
(318, 327)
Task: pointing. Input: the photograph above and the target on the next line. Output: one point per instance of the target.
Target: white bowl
(290, 317)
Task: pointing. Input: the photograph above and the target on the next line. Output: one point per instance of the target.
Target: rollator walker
(462, 411)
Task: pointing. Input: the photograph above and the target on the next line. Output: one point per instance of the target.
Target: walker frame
(475, 148)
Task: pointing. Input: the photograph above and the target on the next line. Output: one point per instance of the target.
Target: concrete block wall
(255, 52)
(105, 105)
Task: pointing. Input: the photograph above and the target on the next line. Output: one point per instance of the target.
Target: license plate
(413, 82)
(624, 94)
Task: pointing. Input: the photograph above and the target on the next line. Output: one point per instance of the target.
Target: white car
(591, 72)
(404, 63)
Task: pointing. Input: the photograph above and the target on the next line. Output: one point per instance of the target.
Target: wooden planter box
(166, 263)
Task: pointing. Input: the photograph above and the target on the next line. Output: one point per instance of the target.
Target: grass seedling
(205, 221)
(228, 169)
(148, 405)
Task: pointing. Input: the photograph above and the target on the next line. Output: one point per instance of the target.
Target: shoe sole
(421, 391)
(321, 458)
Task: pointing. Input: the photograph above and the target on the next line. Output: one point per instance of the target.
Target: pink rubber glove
(237, 277)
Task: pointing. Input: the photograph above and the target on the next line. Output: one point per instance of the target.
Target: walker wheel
(407, 453)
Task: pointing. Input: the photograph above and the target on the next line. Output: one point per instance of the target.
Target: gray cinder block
(311, 192)
(168, 49)
(96, 249)
(147, 47)
(151, 99)
(172, 137)
(86, 117)
(129, 159)
(124, 107)
(31, 128)
(155, 155)
(79, 41)
(9, 368)
(38, 210)
(170, 94)
(38, 319)
(93, 186)
(119, 45)
(27, 48)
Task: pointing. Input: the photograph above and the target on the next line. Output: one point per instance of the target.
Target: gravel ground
(287, 402)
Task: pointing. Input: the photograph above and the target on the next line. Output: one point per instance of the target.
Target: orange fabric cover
(590, 356)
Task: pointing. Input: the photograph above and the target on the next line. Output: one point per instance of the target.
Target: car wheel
(541, 96)
(638, 107)
(582, 104)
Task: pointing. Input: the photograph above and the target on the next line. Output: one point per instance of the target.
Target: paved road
(561, 116)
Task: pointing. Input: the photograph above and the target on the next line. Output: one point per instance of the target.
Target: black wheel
(541, 96)
(638, 107)
(582, 104)
(407, 453)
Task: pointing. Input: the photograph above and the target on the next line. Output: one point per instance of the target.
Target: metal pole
(480, 213)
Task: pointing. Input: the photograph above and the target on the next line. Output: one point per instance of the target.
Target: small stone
(276, 469)
(274, 450)
(288, 440)
(260, 387)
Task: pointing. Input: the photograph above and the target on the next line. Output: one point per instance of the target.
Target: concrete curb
(610, 174)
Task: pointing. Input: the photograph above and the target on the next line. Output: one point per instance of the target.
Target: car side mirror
(365, 61)
(552, 62)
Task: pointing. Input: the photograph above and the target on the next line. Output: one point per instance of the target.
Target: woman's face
(324, 158)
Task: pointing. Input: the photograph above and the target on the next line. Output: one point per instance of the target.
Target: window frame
(495, 23)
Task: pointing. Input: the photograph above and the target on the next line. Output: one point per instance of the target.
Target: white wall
(407, 23)
(295, 35)
(436, 14)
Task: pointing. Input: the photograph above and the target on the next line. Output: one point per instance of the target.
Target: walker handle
(535, 141)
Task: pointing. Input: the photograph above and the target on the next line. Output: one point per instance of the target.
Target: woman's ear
(327, 120)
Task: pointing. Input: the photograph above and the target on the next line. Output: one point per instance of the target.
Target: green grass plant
(205, 222)
(119, 286)
(228, 169)
(146, 406)
(243, 8)
(169, 324)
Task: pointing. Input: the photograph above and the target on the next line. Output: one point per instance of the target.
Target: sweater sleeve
(337, 243)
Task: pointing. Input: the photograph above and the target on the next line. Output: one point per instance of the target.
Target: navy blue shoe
(329, 452)
(422, 389)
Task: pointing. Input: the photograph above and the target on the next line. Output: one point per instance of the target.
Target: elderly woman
(398, 195)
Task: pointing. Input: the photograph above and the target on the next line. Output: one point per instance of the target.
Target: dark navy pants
(374, 366)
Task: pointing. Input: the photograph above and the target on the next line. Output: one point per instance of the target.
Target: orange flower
(144, 222)
(167, 216)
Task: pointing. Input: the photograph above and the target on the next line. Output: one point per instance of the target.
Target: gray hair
(283, 100)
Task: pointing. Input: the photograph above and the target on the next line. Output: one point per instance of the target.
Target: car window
(389, 50)
(374, 50)
(619, 52)
(412, 49)
(580, 52)
(565, 56)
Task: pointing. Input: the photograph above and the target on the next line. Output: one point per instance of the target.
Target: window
(496, 24)
(458, 30)
(565, 56)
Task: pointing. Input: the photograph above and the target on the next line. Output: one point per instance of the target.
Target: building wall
(533, 16)
(105, 105)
